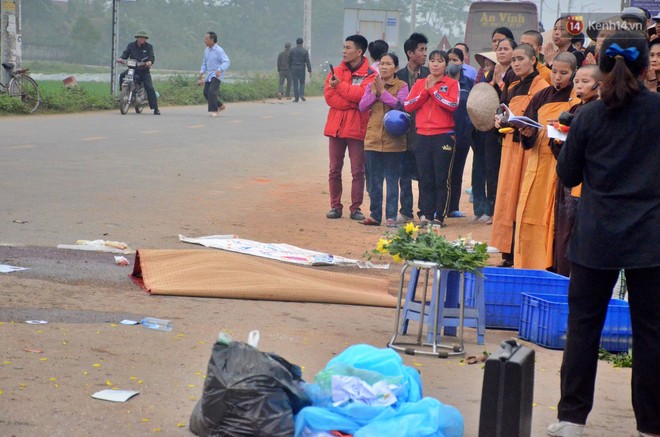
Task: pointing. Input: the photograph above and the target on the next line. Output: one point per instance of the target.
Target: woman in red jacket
(434, 98)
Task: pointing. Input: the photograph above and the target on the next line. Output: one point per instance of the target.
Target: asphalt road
(146, 178)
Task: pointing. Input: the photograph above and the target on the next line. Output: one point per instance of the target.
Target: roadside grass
(177, 90)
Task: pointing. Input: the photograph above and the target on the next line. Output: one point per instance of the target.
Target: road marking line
(94, 138)
(20, 146)
(267, 116)
(196, 126)
(234, 121)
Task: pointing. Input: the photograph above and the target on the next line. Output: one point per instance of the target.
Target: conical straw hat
(485, 55)
(482, 104)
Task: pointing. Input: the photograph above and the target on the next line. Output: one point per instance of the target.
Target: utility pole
(115, 43)
(413, 16)
(307, 26)
(10, 34)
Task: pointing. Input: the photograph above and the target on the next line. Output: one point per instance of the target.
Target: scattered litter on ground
(115, 395)
(267, 387)
(129, 322)
(36, 322)
(4, 268)
(99, 246)
(277, 251)
(370, 265)
(121, 261)
(34, 351)
(20, 222)
(361, 410)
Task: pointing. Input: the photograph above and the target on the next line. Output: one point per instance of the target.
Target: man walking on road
(298, 60)
(346, 125)
(284, 71)
(214, 64)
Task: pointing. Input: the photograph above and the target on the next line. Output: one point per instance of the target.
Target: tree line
(252, 32)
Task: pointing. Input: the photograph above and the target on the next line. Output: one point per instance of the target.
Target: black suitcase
(507, 393)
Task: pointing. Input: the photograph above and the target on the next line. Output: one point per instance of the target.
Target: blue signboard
(653, 6)
(391, 21)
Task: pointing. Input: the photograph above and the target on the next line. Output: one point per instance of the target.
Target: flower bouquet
(408, 243)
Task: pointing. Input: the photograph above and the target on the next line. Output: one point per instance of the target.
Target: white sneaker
(565, 429)
(484, 218)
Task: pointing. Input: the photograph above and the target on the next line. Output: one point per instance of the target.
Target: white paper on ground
(277, 251)
(115, 395)
(98, 246)
(129, 322)
(4, 268)
(556, 133)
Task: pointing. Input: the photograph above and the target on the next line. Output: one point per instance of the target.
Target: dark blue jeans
(487, 149)
(298, 83)
(383, 166)
(408, 173)
(211, 89)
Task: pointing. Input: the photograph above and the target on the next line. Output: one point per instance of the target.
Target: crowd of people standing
(566, 170)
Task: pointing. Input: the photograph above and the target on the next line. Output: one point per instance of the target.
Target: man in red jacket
(346, 125)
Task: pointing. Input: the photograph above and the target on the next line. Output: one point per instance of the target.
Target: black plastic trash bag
(248, 393)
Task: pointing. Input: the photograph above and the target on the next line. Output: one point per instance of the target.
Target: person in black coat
(613, 149)
(141, 50)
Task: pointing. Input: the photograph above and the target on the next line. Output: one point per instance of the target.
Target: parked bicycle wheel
(25, 88)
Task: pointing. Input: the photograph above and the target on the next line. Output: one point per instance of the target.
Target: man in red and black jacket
(346, 125)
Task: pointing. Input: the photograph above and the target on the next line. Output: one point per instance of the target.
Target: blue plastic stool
(445, 288)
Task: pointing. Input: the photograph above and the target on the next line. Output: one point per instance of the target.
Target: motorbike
(132, 89)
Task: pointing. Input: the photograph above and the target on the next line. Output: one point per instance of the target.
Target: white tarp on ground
(277, 251)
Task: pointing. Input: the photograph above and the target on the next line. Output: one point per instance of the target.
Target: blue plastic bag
(411, 416)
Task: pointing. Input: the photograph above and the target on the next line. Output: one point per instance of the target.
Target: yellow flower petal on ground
(96, 365)
(39, 331)
(52, 379)
(133, 378)
(108, 382)
(180, 425)
(1, 392)
(113, 325)
(43, 359)
(534, 404)
(6, 362)
(192, 398)
(156, 430)
(140, 381)
(145, 420)
(191, 385)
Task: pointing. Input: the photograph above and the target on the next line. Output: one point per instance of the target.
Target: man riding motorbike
(141, 50)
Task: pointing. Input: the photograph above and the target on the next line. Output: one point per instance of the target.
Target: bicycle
(21, 86)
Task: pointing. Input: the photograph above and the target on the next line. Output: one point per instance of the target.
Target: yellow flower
(380, 246)
(396, 258)
(411, 228)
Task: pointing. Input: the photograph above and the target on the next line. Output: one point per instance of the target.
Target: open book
(515, 120)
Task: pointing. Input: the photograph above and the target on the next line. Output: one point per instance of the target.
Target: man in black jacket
(415, 48)
(298, 60)
(141, 51)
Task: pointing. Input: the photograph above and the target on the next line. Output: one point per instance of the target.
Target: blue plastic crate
(503, 288)
(544, 319)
